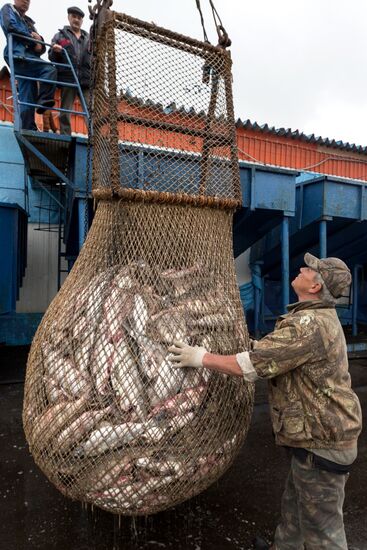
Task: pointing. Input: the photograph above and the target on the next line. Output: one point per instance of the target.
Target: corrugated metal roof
(296, 134)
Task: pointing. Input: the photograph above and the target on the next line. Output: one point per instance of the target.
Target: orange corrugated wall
(295, 153)
(255, 146)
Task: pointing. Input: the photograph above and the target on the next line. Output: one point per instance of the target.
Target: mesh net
(107, 417)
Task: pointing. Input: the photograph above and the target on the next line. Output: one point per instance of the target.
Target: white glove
(184, 355)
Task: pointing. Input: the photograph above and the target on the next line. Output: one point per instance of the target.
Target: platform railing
(14, 76)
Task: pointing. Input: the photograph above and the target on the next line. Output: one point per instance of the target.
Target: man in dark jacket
(13, 19)
(76, 42)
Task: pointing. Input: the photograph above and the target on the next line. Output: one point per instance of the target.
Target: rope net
(107, 417)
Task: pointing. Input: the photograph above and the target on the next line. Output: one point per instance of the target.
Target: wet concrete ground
(33, 515)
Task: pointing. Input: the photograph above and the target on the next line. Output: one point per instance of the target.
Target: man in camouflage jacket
(314, 411)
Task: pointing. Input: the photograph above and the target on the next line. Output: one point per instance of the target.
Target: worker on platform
(75, 41)
(314, 411)
(13, 19)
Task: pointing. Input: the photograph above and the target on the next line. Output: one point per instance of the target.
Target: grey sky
(297, 63)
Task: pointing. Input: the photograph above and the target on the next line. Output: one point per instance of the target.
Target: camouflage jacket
(305, 359)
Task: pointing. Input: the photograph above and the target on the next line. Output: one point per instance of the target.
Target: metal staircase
(50, 158)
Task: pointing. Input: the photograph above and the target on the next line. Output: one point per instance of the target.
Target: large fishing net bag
(107, 418)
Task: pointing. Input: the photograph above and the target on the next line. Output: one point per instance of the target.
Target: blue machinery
(330, 218)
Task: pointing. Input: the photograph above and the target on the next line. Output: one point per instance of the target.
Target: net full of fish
(107, 417)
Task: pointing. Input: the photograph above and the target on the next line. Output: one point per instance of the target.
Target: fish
(151, 356)
(116, 497)
(53, 391)
(117, 308)
(65, 375)
(213, 321)
(123, 279)
(182, 280)
(154, 434)
(194, 377)
(82, 355)
(55, 418)
(139, 315)
(101, 364)
(108, 437)
(130, 494)
(89, 299)
(125, 378)
(170, 466)
(72, 380)
(178, 422)
(53, 360)
(78, 429)
(96, 299)
(185, 401)
(167, 384)
(106, 472)
(168, 326)
(80, 327)
(160, 428)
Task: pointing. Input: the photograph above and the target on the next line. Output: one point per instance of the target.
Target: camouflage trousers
(312, 509)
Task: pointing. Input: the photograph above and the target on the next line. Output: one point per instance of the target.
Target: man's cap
(76, 11)
(334, 272)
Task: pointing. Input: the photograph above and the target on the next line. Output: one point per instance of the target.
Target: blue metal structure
(268, 201)
(50, 158)
(51, 166)
(13, 244)
(331, 219)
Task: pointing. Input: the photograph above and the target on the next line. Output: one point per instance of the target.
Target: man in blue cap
(75, 41)
(13, 19)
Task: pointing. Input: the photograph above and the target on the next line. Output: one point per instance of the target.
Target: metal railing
(14, 76)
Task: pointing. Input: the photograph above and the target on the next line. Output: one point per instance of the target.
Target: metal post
(17, 121)
(285, 263)
(82, 204)
(355, 300)
(323, 238)
(256, 269)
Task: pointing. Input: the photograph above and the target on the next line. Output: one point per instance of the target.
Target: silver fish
(82, 355)
(162, 467)
(106, 472)
(151, 356)
(65, 374)
(139, 315)
(95, 301)
(168, 325)
(156, 432)
(123, 279)
(182, 280)
(119, 497)
(53, 391)
(167, 384)
(194, 377)
(213, 321)
(117, 308)
(79, 428)
(55, 418)
(109, 437)
(183, 402)
(101, 364)
(80, 327)
(125, 378)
